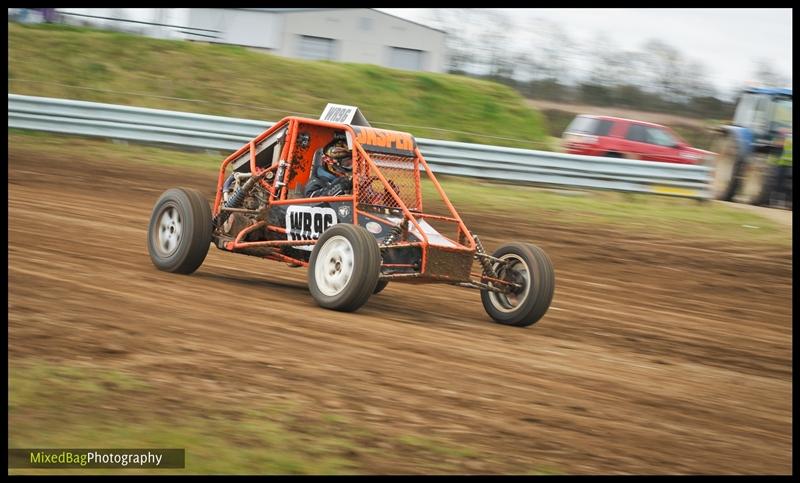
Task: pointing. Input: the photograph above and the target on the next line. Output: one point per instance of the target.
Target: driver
(334, 174)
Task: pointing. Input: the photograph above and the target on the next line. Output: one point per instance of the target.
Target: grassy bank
(93, 65)
(639, 213)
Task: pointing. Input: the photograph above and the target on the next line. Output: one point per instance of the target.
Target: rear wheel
(344, 267)
(179, 233)
(528, 266)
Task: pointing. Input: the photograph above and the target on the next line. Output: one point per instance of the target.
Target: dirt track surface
(655, 357)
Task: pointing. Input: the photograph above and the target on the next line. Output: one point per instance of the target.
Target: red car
(626, 138)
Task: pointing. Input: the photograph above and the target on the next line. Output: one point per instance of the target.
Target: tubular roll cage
(278, 193)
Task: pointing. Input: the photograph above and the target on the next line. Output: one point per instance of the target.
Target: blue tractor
(753, 162)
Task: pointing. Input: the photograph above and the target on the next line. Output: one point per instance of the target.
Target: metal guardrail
(444, 157)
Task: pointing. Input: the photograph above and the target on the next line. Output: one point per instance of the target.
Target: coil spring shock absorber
(394, 233)
(237, 198)
(480, 255)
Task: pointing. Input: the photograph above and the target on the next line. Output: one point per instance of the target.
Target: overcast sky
(727, 41)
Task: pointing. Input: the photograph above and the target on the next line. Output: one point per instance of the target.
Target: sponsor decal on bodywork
(374, 228)
(385, 141)
(308, 223)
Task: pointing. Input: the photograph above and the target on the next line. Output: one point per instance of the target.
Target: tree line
(652, 77)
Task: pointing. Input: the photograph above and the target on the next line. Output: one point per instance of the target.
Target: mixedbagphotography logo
(96, 458)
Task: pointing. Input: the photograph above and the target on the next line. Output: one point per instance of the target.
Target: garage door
(315, 48)
(409, 59)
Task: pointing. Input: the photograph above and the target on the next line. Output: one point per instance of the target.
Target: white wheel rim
(169, 230)
(512, 301)
(334, 265)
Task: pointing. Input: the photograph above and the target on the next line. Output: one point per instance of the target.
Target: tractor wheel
(344, 267)
(179, 233)
(725, 168)
(755, 181)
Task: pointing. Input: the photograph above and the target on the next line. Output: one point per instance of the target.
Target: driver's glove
(340, 186)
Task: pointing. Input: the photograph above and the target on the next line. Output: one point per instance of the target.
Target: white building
(362, 35)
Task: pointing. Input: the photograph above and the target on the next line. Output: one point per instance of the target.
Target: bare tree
(542, 60)
(456, 45)
(478, 41)
(665, 63)
(765, 73)
(552, 50)
(608, 63)
(694, 80)
(636, 73)
(494, 40)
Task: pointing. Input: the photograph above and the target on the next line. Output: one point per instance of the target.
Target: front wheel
(344, 267)
(528, 266)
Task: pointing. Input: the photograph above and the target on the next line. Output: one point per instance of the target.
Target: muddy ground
(657, 355)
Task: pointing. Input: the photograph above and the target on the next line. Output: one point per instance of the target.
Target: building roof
(411, 21)
(304, 10)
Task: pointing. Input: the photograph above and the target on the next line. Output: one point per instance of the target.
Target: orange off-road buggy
(353, 243)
